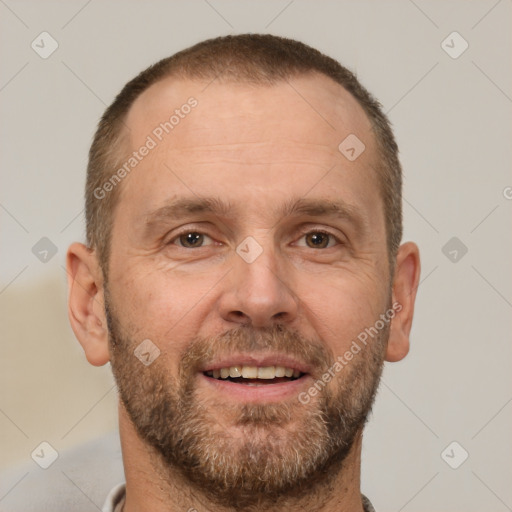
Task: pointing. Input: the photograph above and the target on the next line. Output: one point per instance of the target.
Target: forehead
(250, 143)
(311, 105)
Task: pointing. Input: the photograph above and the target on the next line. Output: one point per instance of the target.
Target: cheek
(341, 305)
(164, 306)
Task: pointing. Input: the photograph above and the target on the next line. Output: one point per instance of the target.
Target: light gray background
(452, 119)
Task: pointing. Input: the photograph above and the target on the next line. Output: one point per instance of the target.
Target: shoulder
(78, 481)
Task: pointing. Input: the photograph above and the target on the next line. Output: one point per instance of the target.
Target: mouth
(256, 378)
(255, 375)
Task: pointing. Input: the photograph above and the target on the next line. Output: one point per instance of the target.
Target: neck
(151, 487)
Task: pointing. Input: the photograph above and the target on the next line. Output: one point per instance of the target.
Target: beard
(245, 456)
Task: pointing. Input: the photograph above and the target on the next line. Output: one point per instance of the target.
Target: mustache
(244, 338)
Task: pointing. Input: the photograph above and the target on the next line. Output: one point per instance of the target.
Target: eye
(319, 239)
(190, 240)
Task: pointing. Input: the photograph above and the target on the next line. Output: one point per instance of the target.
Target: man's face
(293, 296)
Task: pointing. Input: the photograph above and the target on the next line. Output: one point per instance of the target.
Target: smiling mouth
(255, 375)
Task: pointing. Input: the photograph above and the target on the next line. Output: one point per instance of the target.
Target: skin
(256, 147)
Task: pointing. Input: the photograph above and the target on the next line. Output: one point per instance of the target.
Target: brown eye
(318, 239)
(191, 239)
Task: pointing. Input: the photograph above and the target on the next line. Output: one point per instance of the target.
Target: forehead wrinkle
(257, 153)
(275, 145)
(274, 141)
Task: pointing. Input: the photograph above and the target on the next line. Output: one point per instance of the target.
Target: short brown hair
(253, 58)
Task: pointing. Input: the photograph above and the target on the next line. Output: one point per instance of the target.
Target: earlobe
(405, 285)
(86, 303)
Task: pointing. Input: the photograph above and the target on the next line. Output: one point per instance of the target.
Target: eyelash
(302, 234)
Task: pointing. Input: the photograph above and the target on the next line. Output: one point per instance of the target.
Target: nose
(257, 292)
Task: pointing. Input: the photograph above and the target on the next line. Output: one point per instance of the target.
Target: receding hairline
(175, 78)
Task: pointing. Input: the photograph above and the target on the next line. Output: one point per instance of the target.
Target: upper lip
(264, 359)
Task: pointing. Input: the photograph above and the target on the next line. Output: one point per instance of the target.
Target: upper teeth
(253, 372)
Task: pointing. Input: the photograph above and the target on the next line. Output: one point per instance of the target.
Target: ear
(405, 285)
(86, 308)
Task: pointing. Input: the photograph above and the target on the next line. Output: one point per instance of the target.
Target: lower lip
(263, 392)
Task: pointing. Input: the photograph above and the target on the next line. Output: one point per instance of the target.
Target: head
(228, 225)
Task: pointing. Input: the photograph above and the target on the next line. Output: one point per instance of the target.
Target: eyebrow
(179, 208)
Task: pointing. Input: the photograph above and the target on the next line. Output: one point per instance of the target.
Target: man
(244, 276)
